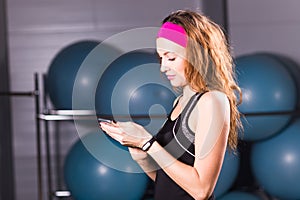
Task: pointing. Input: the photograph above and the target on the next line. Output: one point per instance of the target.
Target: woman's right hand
(145, 161)
(137, 154)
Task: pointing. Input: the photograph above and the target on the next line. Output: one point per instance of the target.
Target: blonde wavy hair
(210, 64)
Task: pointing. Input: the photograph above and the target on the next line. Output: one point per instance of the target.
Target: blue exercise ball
(239, 195)
(267, 86)
(276, 163)
(132, 86)
(88, 177)
(228, 174)
(62, 72)
(146, 96)
(294, 69)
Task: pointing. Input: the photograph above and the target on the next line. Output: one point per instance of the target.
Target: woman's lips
(170, 77)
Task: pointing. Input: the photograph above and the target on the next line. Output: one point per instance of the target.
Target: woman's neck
(188, 92)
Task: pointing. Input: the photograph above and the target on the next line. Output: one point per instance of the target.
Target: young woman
(185, 157)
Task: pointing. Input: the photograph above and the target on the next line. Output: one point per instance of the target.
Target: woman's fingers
(126, 133)
(110, 128)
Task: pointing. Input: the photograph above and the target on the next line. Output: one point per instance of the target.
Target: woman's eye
(171, 59)
(159, 59)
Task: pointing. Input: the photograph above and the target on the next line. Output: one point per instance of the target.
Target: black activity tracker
(148, 144)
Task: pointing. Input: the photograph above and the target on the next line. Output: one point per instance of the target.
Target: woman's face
(173, 66)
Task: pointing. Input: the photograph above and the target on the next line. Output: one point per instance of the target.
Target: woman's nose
(163, 66)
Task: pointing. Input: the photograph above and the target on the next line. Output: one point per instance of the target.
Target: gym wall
(265, 25)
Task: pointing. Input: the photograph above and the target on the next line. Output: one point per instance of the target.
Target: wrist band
(148, 144)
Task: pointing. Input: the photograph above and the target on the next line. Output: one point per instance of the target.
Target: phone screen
(104, 120)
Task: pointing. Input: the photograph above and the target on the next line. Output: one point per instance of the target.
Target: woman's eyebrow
(168, 52)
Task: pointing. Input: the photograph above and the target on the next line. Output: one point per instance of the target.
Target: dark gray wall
(217, 11)
(6, 164)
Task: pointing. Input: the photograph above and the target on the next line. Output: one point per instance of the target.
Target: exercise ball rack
(47, 115)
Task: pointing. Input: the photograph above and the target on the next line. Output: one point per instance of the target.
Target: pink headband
(173, 32)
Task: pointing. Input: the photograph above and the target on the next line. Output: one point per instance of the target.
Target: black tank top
(178, 139)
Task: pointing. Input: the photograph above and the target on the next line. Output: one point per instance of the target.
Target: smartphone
(104, 120)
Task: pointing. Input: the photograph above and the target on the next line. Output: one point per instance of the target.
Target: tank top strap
(189, 134)
(191, 104)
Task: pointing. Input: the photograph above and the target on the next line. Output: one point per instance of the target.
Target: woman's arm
(145, 162)
(213, 119)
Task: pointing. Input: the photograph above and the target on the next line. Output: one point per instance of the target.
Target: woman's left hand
(127, 133)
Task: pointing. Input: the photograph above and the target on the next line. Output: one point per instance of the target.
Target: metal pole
(273, 113)
(22, 94)
(48, 149)
(57, 155)
(38, 138)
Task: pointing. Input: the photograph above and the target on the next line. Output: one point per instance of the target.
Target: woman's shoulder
(213, 97)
